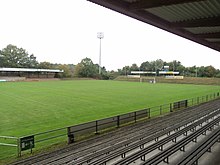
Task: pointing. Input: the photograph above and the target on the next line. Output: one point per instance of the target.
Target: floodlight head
(100, 35)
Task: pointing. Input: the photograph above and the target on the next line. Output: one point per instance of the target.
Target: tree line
(14, 57)
(193, 71)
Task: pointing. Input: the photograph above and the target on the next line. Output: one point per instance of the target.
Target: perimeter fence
(80, 131)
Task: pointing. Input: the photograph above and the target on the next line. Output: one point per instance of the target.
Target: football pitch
(32, 107)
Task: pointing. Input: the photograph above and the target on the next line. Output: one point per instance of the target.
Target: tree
(210, 71)
(201, 71)
(175, 65)
(126, 70)
(1, 60)
(14, 57)
(134, 67)
(158, 64)
(32, 62)
(105, 75)
(45, 65)
(146, 66)
(77, 70)
(86, 68)
(192, 71)
(113, 74)
(66, 69)
(218, 73)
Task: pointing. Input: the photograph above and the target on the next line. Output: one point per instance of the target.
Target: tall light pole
(100, 35)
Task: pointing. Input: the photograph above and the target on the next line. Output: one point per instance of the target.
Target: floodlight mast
(100, 35)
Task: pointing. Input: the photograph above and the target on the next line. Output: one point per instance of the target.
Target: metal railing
(10, 141)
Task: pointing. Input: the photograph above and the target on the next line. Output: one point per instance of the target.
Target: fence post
(161, 110)
(149, 113)
(135, 117)
(96, 127)
(186, 103)
(118, 121)
(71, 137)
(171, 109)
(18, 147)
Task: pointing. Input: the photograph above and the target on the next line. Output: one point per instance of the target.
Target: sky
(65, 31)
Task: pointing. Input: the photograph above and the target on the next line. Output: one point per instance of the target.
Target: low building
(29, 72)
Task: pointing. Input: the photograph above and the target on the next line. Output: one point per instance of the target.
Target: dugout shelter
(29, 72)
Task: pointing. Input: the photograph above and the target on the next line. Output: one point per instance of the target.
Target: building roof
(30, 70)
(196, 20)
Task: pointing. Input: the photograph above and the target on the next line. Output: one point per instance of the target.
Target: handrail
(7, 144)
(9, 137)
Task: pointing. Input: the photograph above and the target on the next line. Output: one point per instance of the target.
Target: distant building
(166, 68)
(29, 72)
(154, 73)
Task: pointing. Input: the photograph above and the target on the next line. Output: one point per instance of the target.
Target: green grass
(32, 107)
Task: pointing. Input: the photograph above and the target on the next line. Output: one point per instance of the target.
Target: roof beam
(208, 35)
(122, 6)
(113, 5)
(217, 43)
(145, 4)
(205, 22)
